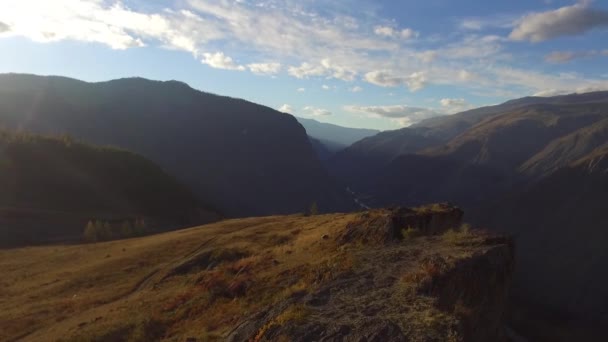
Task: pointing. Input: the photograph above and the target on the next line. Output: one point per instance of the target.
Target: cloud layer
(357, 46)
(402, 114)
(565, 21)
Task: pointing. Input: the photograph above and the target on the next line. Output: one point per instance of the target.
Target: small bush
(410, 233)
(457, 235)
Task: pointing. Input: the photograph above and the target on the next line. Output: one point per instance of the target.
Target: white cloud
(314, 111)
(301, 90)
(114, 24)
(4, 27)
(414, 81)
(306, 70)
(451, 106)
(452, 102)
(472, 24)
(324, 68)
(220, 61)
(402, 114)
(325, 87)
(286, 109)
(565, 21)
(427, 56)
(355, 89)
(408, 33)
(567, 56)
(540, 84)
(479, 24)
(384, 31)
(294, 38)
(466, 75)
(473, 47)
(272, 68)
(388, 31)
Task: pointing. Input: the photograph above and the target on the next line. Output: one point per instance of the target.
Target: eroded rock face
(386, 226)
(430, 220)
(428, 288)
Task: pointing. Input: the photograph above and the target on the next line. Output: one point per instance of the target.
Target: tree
(126, 230)
(107, 231)
(314, 209)
(90, 233)
(140, 226)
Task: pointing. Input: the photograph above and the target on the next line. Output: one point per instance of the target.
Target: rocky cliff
(439, 285)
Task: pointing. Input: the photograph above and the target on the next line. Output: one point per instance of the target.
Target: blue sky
(357, 63)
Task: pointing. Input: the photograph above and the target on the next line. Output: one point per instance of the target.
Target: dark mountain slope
(567, 149)
(500, 143)
(412, 179)
(560, 226)
(449, 126)
(333, 136)
(369, 156)
(43, 177)
(507, 140)
(322, 151)
(538, 171)
(244, 158)
(437, 131)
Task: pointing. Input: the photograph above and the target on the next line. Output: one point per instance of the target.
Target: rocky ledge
(412, 275)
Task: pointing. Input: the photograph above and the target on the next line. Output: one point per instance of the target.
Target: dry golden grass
(81, 291)
(198, 282)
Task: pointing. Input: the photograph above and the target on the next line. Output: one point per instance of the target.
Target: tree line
(103, 230)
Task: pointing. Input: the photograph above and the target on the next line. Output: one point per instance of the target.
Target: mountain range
(533, 167)
(334, 137)
(242, 158)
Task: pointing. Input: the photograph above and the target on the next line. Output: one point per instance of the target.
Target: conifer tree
(126, 229)
(314, 209)
(90, 233)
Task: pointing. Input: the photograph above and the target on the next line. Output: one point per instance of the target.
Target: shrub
(90, 233)
(457, 235)
(409, 233)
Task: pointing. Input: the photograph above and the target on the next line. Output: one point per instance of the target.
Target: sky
(356, 63)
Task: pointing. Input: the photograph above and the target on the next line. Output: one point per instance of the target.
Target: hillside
(450, 126)
(335, 137)
(567, 149)
(492, 140)
(559, 223)
(51, 187)
(532, 167)
(362, 161)
(268, 279)
(242, 158)
(476, 135)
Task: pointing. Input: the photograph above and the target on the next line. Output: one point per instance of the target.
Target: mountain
(334, 137)
(484, 136)
(335, 277)
(532, 167)
(450, 126)
(51, 187)
(567, 149)
(364, 159)
(321, 150)
(560, 227)
(508, 140)
(240, 157)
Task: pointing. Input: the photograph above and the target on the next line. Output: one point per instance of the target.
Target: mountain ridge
(243, 158)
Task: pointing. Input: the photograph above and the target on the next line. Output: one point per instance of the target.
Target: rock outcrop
(380, 227)
(452, 287)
